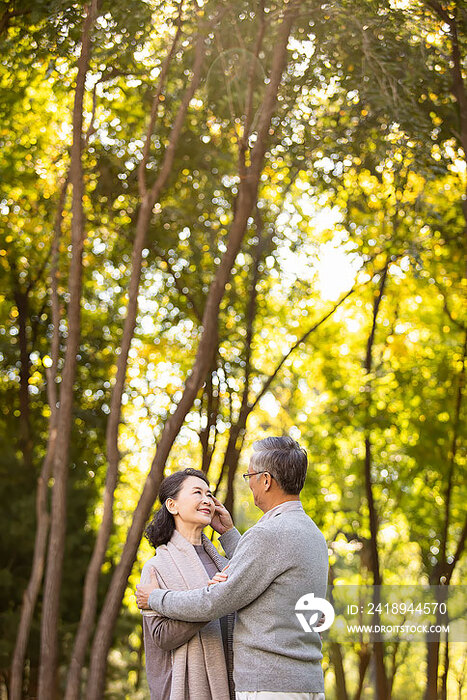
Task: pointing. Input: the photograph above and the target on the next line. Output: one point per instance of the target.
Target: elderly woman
(187, 660)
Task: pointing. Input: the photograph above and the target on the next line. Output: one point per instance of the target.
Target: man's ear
(268, 482)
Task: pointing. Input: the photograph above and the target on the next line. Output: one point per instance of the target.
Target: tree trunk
(35, 579)
(231, 457)
(432, 660)
(204, 357)
(378, 645)
(237, 432)
(53, 577)
(433, 649)
(335, 653)
(140, 661)
(25, 439)
(208, 444)
(335, 650)
(364, 657)
(42, 515)
(445, 567)
(444, 680)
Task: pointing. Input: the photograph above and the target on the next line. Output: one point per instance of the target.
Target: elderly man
(277, 561)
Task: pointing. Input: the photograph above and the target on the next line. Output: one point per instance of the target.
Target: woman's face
(193, 503)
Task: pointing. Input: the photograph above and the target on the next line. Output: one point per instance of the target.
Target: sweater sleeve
(229, 541)
(169, 634)
(252, 569)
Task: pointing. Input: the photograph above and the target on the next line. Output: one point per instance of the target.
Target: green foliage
(364, 157)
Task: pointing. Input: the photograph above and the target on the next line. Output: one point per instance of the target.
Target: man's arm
(252, 569)
(229, 541)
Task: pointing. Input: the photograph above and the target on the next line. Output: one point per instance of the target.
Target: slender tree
(442, 572)
(56, 546)
(42, 513)
(378, 651)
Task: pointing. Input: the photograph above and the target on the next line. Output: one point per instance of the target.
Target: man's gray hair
(284, 459)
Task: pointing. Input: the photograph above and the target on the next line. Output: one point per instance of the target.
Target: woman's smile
(194, 499)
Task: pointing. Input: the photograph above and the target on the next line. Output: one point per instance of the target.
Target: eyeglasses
(249, 474)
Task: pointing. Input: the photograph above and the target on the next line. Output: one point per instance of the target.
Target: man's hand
(220, 577)
(221, 520)
(144, 590)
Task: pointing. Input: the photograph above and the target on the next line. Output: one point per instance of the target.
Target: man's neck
(277, 502)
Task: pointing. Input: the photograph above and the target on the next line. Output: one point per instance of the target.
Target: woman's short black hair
(160, 529)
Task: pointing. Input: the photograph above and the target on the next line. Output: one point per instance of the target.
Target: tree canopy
(224, 221)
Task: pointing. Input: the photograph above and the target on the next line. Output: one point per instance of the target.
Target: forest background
(221, 221)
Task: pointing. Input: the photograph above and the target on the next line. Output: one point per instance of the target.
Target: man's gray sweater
(273, 564)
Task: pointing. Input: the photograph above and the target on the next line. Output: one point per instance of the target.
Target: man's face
(254, 482)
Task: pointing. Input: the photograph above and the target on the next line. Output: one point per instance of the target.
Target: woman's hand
(144, 590)
(220, 577)
(221, 520)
